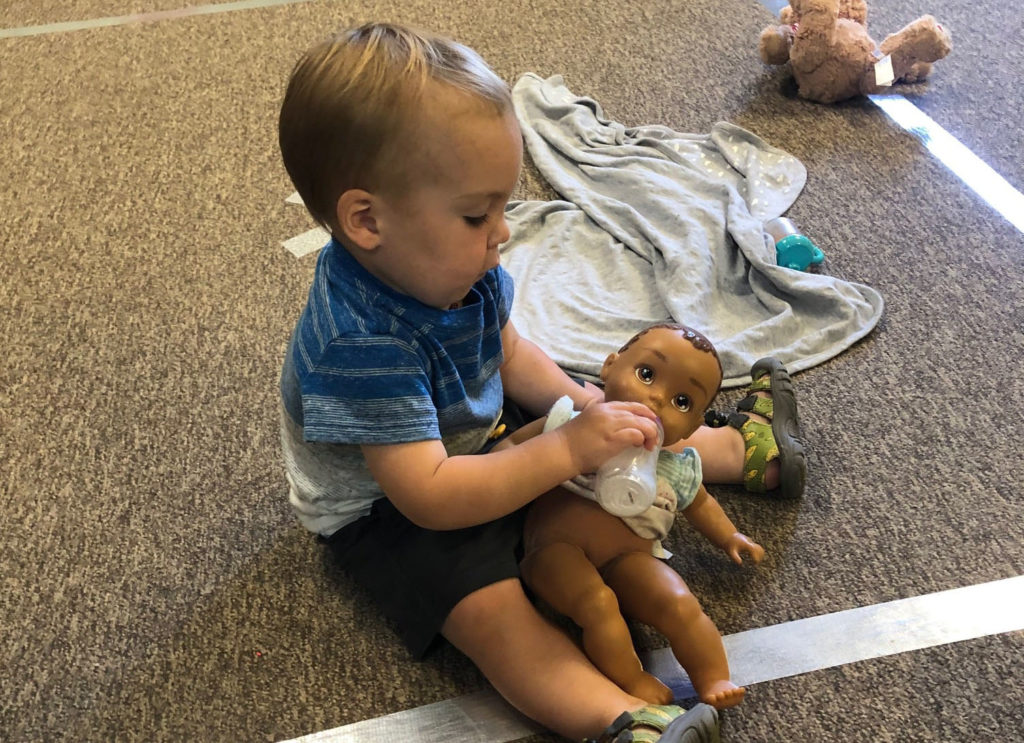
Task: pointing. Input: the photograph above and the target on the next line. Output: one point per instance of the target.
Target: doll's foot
(649, 688)
(722, 694)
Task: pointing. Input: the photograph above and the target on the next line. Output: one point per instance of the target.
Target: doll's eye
(682, 403)
(645, 374)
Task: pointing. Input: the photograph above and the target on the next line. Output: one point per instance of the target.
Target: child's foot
(722, 694)
(664, 724)
(774, 459)
(649, 688)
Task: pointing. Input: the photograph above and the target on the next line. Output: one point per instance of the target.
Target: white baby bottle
(627, 483)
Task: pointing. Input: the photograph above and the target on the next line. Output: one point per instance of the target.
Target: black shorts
(416, 575)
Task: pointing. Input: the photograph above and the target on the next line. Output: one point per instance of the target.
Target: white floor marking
(158, 15)
(755, 656)
(306, 243)
(483, 717)
(309, 241)
(967, 166)
(830, 640)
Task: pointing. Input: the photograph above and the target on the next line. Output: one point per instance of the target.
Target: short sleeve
(370, 389)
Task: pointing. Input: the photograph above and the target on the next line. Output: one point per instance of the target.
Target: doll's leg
(653, 593)
(562, 575)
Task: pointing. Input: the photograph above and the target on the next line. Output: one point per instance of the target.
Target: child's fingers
(640, 432)
(639, 409)
(643, 420)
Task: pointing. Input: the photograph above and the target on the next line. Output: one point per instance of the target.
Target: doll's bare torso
(560, 516)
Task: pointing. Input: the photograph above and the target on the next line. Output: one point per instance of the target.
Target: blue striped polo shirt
(370, 365)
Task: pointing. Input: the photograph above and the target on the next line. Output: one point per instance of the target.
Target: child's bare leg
(533, 664)
(562, 575)
(722, 455)
(653, 593)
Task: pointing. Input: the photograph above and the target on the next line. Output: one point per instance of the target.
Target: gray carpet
(153, 584)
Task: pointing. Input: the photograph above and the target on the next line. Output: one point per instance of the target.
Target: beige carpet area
(154, 585)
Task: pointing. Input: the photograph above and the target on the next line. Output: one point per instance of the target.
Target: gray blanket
(658, 225)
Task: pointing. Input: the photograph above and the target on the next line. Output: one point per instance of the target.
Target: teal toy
(793, 249)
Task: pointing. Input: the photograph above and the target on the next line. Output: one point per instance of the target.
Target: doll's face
(667, 373)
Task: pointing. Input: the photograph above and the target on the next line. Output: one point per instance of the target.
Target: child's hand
(603, 429)
(740, 543)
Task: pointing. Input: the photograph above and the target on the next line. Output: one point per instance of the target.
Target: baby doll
(594, 568)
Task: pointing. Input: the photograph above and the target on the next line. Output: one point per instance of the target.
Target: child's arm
(440, 492)
(533, 380)
(709, 519)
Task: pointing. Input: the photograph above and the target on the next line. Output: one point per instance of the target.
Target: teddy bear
(833, 57)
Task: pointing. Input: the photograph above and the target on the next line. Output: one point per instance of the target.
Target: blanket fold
(657, 225)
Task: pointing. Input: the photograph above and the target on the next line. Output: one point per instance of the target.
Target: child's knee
(485, 608)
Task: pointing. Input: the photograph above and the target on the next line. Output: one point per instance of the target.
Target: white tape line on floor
(124, 20)
(755, 656)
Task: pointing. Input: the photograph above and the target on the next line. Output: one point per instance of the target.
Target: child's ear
(356, 220)
(607, 365)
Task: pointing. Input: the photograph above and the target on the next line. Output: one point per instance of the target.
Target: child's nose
(501, 232)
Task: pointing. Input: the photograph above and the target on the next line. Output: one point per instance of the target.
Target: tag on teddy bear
(883, 71)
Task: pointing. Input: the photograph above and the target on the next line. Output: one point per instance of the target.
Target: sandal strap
(715, 418)
(760, 449)
(762, 406)
(761, 384)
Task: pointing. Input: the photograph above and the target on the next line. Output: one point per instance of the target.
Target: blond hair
(353, 104)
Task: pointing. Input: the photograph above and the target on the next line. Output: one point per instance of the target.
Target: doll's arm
(709, 519)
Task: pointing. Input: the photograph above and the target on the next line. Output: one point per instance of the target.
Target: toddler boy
(404, 146)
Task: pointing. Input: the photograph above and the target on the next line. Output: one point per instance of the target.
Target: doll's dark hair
(698, 339)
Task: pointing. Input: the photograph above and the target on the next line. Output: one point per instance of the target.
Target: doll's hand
(740, 543)
(603, 429)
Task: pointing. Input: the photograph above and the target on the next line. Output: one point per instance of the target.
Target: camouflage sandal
(664, 724)
(777, 439)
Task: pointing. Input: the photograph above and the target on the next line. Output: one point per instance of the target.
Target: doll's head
(672, 369)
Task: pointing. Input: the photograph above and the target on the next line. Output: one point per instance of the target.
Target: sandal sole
(697, 725)
(785, 429)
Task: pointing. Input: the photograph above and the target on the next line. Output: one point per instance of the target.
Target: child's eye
(645, 374)
(682, 403)
(476, 221)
